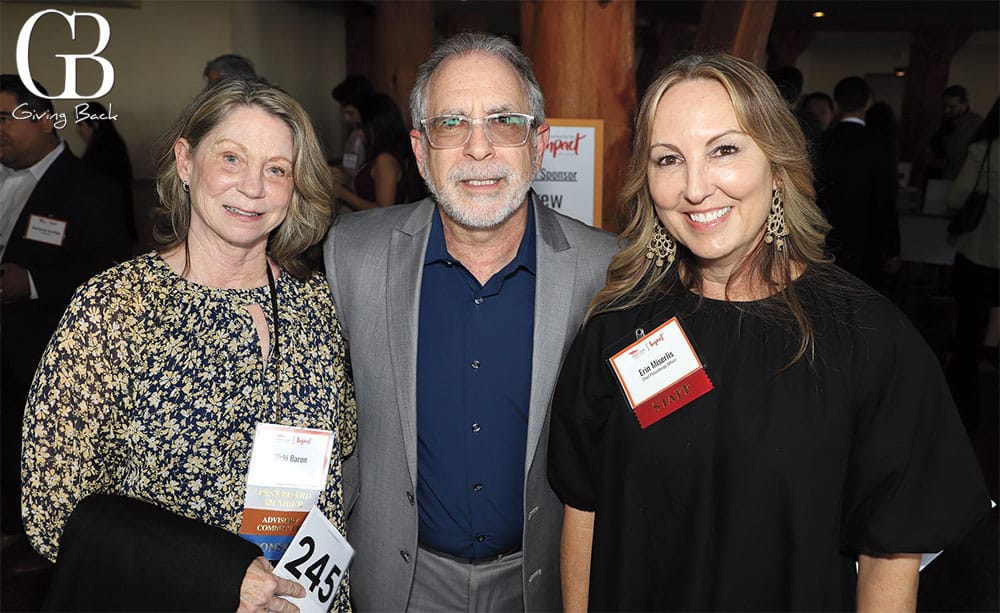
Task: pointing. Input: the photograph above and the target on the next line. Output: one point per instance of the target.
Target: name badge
(288, 470)
(46, 230)
(317, 559)
(660, 373)
(350, 161)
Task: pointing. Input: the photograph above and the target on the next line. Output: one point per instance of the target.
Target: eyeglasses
(502, 129)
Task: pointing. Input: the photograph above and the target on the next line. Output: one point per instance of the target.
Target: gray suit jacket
(374, 262)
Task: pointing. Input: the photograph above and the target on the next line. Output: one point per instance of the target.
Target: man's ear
(417, 143)
(47, 124)
(542, 135)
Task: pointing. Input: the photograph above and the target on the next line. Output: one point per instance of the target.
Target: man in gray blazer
(458, 311)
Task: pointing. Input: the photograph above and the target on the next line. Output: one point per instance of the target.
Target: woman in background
(975, 276)
(814, 431)
(389, 175)
(106, 152)
(162, 366)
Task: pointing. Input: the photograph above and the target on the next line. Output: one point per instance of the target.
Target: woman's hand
(341, 191)
(575, 553)
(339, 176)
(260, 590)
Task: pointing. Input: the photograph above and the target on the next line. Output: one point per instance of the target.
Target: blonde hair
(310, 211)
(764, 116)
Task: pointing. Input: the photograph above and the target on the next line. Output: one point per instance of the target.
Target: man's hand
(14, 285)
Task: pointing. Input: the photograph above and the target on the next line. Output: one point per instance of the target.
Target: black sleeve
(913, 482)
(580, 408)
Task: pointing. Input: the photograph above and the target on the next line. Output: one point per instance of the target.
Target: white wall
(159, 49)
(977, 67)
(832, 56)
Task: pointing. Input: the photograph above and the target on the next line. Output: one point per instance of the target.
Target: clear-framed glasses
(502, 129)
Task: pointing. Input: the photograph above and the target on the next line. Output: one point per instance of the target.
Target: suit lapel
(407, 246)
(554, 287)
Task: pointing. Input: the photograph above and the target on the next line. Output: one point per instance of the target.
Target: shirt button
(475, 427)
(475, 364)
(481, 538)
(477, 487)
(478, 300)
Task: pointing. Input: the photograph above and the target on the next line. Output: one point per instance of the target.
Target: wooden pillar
(926, 78)
(404, 35)
(741, 27)
(359, 38)
(660, 46)
(785, 46)
(583, 53)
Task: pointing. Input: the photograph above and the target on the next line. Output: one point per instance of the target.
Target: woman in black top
(739, 425)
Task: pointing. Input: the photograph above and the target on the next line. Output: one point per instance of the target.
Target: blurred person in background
(950, 142)
(975, 276)
(106, 152)
(228, 66)
(349, 93)
(60, 224)
(390, 174)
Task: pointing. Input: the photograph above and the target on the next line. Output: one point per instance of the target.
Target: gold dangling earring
(661, 247)
(776, 229)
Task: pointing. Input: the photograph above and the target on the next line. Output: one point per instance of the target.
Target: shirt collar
(437, 250)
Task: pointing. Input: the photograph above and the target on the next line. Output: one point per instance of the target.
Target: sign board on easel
(570, 180)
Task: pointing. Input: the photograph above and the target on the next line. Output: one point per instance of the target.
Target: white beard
(486, 211)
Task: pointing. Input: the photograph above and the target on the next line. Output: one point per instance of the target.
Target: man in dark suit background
(60, 224)
(857, 188)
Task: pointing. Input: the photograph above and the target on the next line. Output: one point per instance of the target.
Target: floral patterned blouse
(152, 386)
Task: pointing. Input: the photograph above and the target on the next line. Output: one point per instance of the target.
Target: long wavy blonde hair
(633, 279)
(310, 211)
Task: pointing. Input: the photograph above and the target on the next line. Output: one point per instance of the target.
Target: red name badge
(660, 373)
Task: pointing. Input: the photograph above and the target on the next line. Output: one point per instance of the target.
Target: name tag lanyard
(274, 309)
(275, 341)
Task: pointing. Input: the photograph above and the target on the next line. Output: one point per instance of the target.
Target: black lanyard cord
(274, 310)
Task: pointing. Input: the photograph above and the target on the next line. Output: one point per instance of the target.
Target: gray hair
(231, 66)
(468, 43)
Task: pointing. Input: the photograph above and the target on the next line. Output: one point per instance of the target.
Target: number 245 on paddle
(318, 559)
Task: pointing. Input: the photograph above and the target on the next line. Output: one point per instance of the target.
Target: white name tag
(46, 230)
(660, 373)
(317, 559)
(288, 471)
(654, 362)
(350, 161)
(290, 457)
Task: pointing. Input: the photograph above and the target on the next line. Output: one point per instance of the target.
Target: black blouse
(760, 494)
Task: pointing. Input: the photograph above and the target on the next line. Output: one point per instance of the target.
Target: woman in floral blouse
(162, 366)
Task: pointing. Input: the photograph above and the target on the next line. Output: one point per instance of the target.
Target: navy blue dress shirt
(473, 387)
